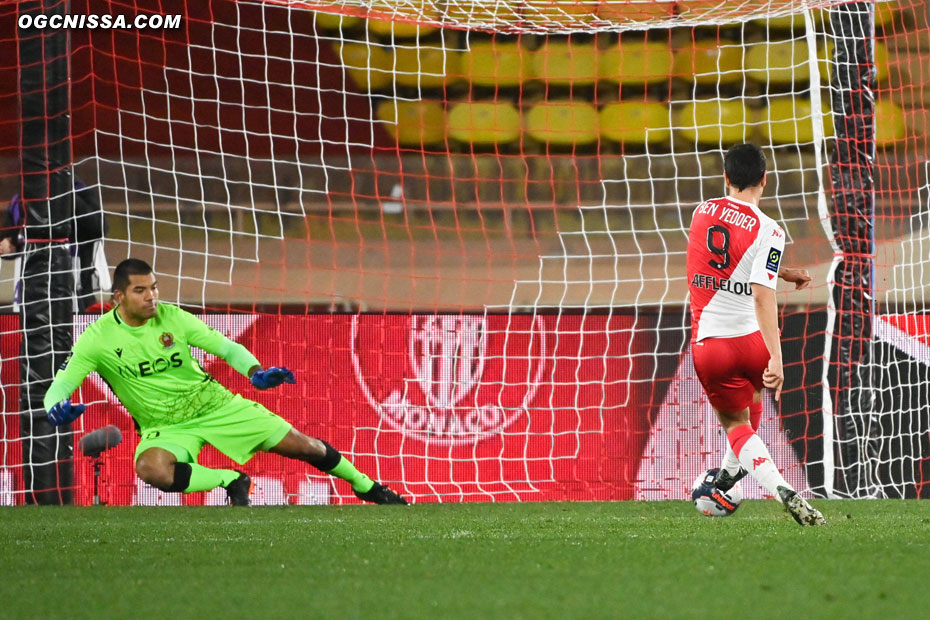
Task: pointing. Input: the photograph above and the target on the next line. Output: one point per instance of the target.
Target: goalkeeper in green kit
(141, 348)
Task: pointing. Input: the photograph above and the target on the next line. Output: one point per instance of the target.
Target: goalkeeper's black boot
(380, 494)
(797, 507)
(725, 480)
(238, 490)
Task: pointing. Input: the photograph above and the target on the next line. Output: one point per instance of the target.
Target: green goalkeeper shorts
(238, 429)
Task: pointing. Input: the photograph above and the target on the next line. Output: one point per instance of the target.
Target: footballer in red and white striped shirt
(734, 263)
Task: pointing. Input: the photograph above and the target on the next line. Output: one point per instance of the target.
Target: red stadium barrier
(478, 408)
(473, 407)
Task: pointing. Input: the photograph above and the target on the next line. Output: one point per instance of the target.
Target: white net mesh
(464, 224)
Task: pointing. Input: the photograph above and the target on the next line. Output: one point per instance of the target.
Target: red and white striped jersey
(731, 245)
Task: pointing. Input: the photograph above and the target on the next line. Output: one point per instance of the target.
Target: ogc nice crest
(449, 378)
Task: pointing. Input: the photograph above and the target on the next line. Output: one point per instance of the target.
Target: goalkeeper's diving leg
(161, 468)
(327, 459)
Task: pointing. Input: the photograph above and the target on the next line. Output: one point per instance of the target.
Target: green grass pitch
(535, 560)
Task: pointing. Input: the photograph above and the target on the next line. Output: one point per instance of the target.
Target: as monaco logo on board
(449, 379)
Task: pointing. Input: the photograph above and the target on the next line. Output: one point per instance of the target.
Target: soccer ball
(711, 502)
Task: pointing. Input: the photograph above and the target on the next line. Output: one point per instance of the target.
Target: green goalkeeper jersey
(150, 368)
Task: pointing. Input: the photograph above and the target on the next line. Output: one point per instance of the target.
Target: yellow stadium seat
(563, 123)
(709, 63)
(785, 22)
(398, 29)
(885, 12)
(424, 67)
(491, 16)
(402, 20)
(882, 62)
(484, 122)
(414, 123)
(889, 123)
(567, 63)
(778, 62)
(713, 121)
(827, 121)
(825, 61)
(335, 21)
(638, 62)
(788, 120)
(369, 66)
(635, 122)
(787, 125)
(496, 63)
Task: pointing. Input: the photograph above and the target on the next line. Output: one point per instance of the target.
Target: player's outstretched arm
(801, 278)
(70, 375)
(767, 317)
(272, 377)
(205, 337)
(202, 335)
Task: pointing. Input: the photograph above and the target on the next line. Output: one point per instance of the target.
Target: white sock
(755, 457)
(730, 462)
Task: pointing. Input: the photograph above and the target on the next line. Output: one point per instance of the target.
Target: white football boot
(797, 507)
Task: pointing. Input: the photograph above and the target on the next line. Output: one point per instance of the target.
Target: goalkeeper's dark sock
(191, 477)
(335, 464)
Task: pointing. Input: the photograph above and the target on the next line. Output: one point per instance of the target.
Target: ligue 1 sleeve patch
(773, 259)
(64, 364)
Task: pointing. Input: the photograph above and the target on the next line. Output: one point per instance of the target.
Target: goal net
(463, 225)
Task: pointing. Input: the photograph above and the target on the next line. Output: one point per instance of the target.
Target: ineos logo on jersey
(449, 379)
(152, 367)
